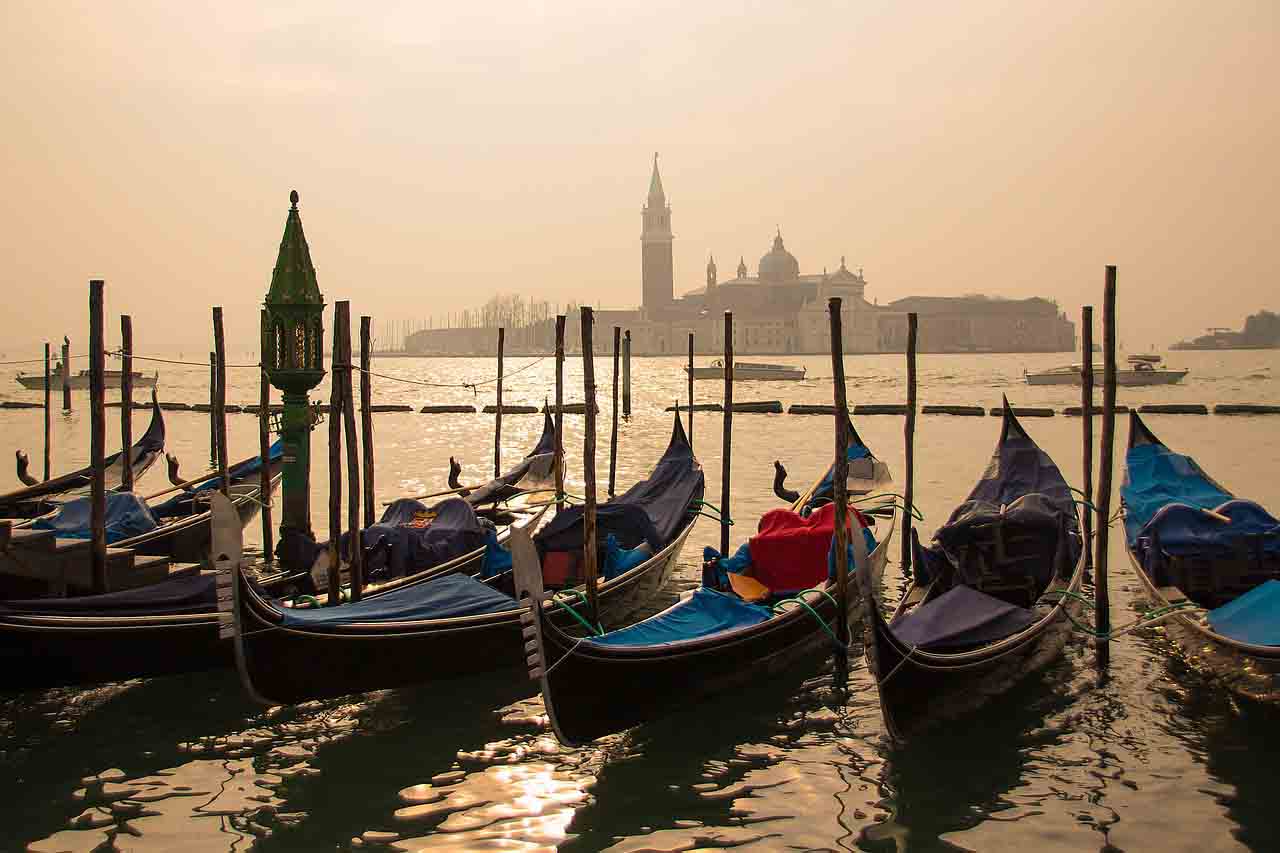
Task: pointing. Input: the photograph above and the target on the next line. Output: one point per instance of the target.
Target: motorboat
(1142, 370)
(743, 370)
(80, 381)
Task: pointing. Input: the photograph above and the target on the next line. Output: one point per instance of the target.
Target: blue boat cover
(653, 510)
(1182, 529)
(961, 616)
(1156, 476)
(184, 595)
(704, 613)
(181, 503)
(619, 560)
(413, 537)
(1252, 618)
(450, 596)
(127, 516)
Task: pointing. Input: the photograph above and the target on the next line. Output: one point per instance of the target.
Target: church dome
(779, 264)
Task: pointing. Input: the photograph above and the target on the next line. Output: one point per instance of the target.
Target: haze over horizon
(449, 153)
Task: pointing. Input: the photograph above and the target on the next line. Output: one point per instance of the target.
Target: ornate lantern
(292, 331)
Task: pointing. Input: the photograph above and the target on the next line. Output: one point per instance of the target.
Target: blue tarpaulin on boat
(1156, 476)
(412, 537)
(824, 491)
(127, 516)
(703, 613)
(1182, 529)
(1252, 618)
(184, 595)
(442, 598)
(961, 616)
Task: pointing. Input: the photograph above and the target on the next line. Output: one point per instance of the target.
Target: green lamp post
(292, 331)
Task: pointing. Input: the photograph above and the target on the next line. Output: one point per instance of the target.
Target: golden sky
(447, 152)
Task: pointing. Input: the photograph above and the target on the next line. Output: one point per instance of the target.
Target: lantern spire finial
(293, 199)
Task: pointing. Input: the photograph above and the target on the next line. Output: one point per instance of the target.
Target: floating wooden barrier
(966, 411)
(196, 407)
(807, 409)
(446, 410)
(176, 407)
(877, 409)
(768, 407)
(390, 407)
(1174, 409)
(513, 410)
(697, 407)
(19, 404)
(1024, 412)
(252, 409)
(1077, 411)
(1245, 409)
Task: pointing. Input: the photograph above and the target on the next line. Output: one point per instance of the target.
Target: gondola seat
(1252, 618)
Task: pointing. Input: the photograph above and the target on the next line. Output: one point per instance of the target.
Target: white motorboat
(1142, 370)
(80, 381)
(743, 370)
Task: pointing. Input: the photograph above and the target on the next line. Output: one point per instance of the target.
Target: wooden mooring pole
(335, 465)
(366, 415)
(126, 403)
(66, 374)
(840, 497)
(613, 430)
(213, 423)
(559, 414)
(220, 402)
(726, 451)
(626, 374)
(589, 553)
(1086, 413)
(48, 415)
(1102, 603)
(909, 439)
(97, 441)
(264, 450)
(497, 418)
(355, 568)
(690, 430)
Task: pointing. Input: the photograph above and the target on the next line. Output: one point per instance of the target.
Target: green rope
(915, 513)
(799, 599)
(719, 519)
(1143, 618)
(697, 502)
(594, 629)
(306, 599)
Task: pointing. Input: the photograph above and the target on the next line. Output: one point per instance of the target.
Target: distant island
(1261, 331)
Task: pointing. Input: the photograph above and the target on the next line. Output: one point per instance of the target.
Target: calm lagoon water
(1153, 757)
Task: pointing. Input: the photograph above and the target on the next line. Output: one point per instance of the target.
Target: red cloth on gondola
(790, 552)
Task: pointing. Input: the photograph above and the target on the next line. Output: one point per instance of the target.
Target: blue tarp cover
(127, 516)
(1253, 617)
(961, 616)
(1156, 476)
(412, 537)
(1182, 529)
(824, 492)
(442, 598)
(704, 613)
(190, 594)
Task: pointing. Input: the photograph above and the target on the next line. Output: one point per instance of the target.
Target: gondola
(458, 625)
(164, 628)
(989, 599)
(713, 640)
(1209, 560)
(40, 498)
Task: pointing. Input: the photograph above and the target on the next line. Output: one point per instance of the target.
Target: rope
(53, 356)
(915, 513)
(1146, 618)
(474, 386)
(799, 599)
(120, 354)
(594, 629)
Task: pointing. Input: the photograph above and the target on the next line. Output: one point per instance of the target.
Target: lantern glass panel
(299, 360)
(278, 356)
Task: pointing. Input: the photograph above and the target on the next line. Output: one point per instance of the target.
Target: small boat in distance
(80, 381)
(749, 370)
(1143, 370)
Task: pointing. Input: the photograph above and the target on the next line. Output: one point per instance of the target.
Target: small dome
(779, 264)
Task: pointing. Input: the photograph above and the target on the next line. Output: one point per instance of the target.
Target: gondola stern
(1139, 432)
(1010, 427)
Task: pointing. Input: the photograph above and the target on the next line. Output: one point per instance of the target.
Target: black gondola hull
(377, 656)
(595, 690)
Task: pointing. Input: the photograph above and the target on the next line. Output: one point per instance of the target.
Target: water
(1154, 757)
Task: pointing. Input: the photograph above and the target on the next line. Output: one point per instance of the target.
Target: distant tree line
(1262, 329)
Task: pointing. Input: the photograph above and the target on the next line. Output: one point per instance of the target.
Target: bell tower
(656, 269)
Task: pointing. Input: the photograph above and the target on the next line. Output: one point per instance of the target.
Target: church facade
(780, 310)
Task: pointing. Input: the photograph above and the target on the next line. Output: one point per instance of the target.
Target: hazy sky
(447, 152)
